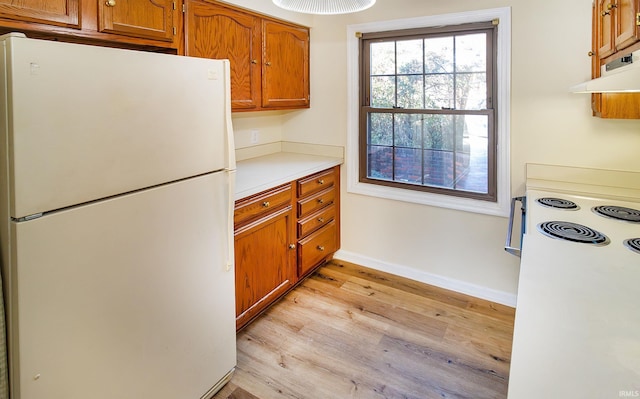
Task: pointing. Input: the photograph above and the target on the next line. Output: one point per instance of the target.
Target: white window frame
(498, 208)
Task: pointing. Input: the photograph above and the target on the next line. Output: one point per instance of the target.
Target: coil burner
(618, 213)
(559, 203)
(572, 232)
(633, 244)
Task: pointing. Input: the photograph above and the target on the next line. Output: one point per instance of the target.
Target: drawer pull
(292, 246)
(266, 204)
(321, 181)
(320, 248)
(320, 201)
(321, 220)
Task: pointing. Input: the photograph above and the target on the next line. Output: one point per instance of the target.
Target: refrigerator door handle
(231, 174)
(228, 123)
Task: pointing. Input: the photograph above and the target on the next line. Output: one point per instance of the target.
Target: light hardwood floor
(352, 332)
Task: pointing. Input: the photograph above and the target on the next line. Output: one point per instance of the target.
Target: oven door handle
(507, 245)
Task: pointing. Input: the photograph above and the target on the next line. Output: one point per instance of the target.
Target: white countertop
(262, 173)
(577, 327)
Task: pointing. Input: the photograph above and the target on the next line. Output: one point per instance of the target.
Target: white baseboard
(477, 291)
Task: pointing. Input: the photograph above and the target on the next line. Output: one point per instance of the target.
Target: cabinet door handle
(254, 62)
(321, 181)
(605, 13)
(321, 220)
(611, 6)
(266, 204)
(591, 53)
(292, 246)
(110, 3)
(268, 63)
(320, 248)
(320, 201)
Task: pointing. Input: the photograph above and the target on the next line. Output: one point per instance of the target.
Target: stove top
(581, 220)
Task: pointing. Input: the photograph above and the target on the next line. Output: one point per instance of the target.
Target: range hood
(619, 76)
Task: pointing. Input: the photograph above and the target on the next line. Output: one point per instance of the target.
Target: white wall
(550, 41)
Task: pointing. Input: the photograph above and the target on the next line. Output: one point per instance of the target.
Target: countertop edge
(258, 174)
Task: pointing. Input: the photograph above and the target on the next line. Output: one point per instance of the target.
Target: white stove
(577, 329)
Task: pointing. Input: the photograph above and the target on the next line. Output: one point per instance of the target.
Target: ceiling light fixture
(324, 7)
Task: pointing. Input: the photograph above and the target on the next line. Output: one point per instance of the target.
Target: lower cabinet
(281, 235)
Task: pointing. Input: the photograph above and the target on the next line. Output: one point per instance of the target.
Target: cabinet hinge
(638, 19)
(174, 5)
(184, 8)
(175, 31)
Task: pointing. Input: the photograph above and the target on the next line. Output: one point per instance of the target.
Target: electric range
(577, 328)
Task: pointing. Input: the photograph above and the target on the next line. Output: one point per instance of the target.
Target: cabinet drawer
(316, 202)
(261, 204)
(317, 247)
(316, 220)
(316, 182)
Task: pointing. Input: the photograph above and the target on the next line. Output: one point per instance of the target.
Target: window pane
(438, 132)
(380, 162)
(438, 168)
(383, 91)
(409, 56)
(472, 166)
(471, 53)
(408, 130)
(471, 91)
(383, 59)
(408, 165)
(438, 55)
(380, 129)
(410, 91)
(438, 91)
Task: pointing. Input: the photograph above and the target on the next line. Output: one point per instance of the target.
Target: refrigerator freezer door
(126, 298)
(109, 122)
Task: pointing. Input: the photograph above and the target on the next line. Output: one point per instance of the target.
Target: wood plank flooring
(352, 332)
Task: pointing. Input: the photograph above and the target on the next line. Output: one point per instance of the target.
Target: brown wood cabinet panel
(316, 182)
(264, 263)
(214, 31)
(314, 221)
(604, 26)
(152, 19)
(616, 105)
(261, 204)
(51, 12)
(316, 201)
(627, 28)
(285, 70)
(315, 248)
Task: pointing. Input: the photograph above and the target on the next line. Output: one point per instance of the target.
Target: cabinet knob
(254, 62)
(611, 6)
(266, 204)
(321, 220)
(320, 248)
(320, 181)
(605, 13)
(292, 246)
(110, 3)
(591, 53)
(320, 201)
(268, 63)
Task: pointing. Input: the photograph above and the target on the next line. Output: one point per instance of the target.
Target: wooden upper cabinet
(617, 23)
(213, 31)
(146, 19)
(51, 12)
(285, 76)
(269, 59)
(627, 30)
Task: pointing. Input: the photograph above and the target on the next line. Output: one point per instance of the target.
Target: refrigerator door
(127, 298)
(87, 122)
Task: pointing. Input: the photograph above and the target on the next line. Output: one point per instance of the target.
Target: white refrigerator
(116, 181)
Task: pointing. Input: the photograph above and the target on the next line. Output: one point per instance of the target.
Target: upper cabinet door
(604, 27)
(50, 12)
(285, 68)
(627, 23)
(213, 31)
(147, 19)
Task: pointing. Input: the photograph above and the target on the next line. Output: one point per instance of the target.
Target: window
(428, 110)
(427, 117)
